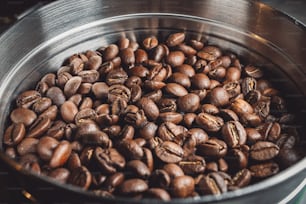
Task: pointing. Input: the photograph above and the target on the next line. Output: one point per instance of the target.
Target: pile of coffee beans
(163, 119)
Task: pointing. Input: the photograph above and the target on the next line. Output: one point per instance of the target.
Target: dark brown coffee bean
(61, 154)
(176, 58)
(133, 186)
(140, 56)
(148, 131)
(150, 42)
(154, 85)
(80, 177)
(233, 74)
(219, 97)
(182, 186)
(263, 150)
(173, 117)
(104, 194)
(232, 88)
(198, 135)
(149, 107)
(46, 146)
(41, 105)
(98, 138)
(234, 134)
(213, 148)
(193, 164)
(30, 162)
(209, 53)
(189, 118)
(74, 161)
(181, 79)
(263, 170)
(113, 181)
(127, 57)
(237, 159)
(188, 103)
(72, 86)
(60, 174)
(253, 71)
(169, 131)
(288, 157)
(286, 141)
(49, 79)
(175, 39)
(76, 65)
(248, 84)
(185, 69)
(23, 115)
(169, 152)
(213, 184)
(186, 49)
(116, 76)
(198, 45)
(175, 89)
(109, 160)
(252, 97)
(138, 168)
(39, 127)
(228, 115)
(135, 117)
(27, 145)
(157, 73)
(160, 179)
(100, 90)
(157, 193)
(209, 122)
(68, 111)
(200, 81)
(130, 149)
(148, 158)
(173, 170)
(242, 178)
(262, 108)
(241, 107)
(118, 91)
(27, 98)
(274, 132)
(14, 134)
(253, 135)
(85, 114)
(42, 87)
(94, 62)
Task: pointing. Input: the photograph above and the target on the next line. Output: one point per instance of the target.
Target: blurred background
(13, 10)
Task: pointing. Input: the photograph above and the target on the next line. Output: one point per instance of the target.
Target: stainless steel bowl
(40, 42)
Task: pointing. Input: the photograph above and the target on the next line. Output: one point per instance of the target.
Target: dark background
(12, 10)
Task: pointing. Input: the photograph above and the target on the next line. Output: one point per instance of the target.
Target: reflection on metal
(29, 196)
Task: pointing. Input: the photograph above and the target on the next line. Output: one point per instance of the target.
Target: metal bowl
(40, 42)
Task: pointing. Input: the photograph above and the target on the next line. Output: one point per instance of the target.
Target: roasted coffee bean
(213, 184)
(176, 58)
(130, 149)
(98, 138)
(113, 181)
(233, 74)
(109, 160)
(189, 118)
(30, 162)
(138, 168)
(232, 88)
(253, 71)
(242, 178)
(74, 161)
(41, 105)
(23, 115)
(210, 109)
(193, 164)
(228, 115)
(169, 131)
(188, 103)
(14, 134)
(149, 107)
(169, 152)
(185, 69)
(209, 122)
(182, 186)
(94, 62)
(118, 91)
(133, 186)
(60, 174)
(27, 98)
(263, 170)
(181, 79)
(127, 57)
(248, 84)
(286, 141)
(253, 135)
(237, 159)
(116, 76)
(157, 193)
(234, 133)
(219, 97)
(39, 127)
(173, 170)
(175, 89)
(68, 111)
(200, 81)
(241, 107)
(263, 150)
(173, 117)
(160, 179)
(213, 148)
(61, 154)
(150, 42)
(175, 39)
(287, 157)
(262, 108)
(72, 86)
(80, 177)
(27, 145)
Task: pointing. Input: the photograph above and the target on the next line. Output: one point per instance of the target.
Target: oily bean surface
(157, 118)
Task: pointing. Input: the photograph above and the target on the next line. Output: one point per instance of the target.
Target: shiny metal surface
(42, 40)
